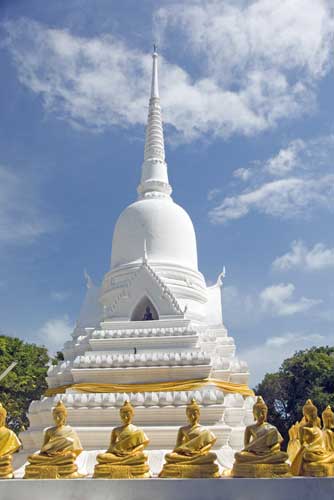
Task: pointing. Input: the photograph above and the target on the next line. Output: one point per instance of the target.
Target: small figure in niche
(148, 316)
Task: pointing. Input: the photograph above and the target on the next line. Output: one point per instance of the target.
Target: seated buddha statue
(328, 428)
(125, 457)
(61, 446)
(262, 455)
(9, 444)
(294, 443)
(191, 456)
(312, 458)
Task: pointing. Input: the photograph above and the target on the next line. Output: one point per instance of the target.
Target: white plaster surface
(169, 489)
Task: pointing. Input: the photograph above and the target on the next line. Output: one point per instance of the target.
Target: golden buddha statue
(61, 446)
(312, 459)
(294, 443)
(125, 457)
(328, 428)
(9, 444)
(262, 455)
(191, 456)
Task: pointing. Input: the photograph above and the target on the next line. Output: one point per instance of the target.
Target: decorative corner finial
(89, 281)
(221, 277)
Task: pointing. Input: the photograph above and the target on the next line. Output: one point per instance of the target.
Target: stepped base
(52, 472)
(190, 471)
(261, 470)
(167, 489)
(104, 471)
(318, 470)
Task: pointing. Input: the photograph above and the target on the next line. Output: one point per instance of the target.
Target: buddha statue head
(310, 413)
(3, 415)
(193, 412)
(328, 418)
(59, 414)
(126, 413)
(260, 410)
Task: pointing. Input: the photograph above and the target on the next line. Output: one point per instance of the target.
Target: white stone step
(163, 342)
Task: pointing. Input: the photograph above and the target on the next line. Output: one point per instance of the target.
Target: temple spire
(154, 178)
(155, 81)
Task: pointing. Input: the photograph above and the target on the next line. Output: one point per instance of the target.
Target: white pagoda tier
(159, 325)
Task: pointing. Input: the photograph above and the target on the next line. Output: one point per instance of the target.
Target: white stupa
(158, 322)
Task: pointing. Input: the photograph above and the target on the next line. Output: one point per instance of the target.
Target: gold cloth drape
(177, 385)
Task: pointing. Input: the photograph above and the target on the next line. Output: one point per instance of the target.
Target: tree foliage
(25, 382)
(309, 374)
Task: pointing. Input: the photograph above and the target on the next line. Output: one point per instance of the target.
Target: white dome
(166, 227)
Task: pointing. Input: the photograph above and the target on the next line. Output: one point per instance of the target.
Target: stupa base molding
(318, 470)
(261, 470)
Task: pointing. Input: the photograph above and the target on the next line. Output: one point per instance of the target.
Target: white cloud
(313, 259)
(279, 300)
(286, 160)
(285, 198)
(242, 173)
(55, 332)
(255, 63)
(311, 187)
(268, 356)
(60, 296)
(213, 193)
(21, 220)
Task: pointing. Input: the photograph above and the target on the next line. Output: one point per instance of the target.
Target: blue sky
(247, 99)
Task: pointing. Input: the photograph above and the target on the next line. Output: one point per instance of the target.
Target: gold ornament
(125, 457)
(191, 456)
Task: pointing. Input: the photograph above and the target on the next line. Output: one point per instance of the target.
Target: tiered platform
(167, 489)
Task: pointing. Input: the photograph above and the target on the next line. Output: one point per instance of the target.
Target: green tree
(309, 374)
(25, 382)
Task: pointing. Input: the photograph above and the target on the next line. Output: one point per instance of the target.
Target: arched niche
(143, 307)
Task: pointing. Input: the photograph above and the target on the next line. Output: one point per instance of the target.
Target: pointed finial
(155, 49)
(310, 409)
(260, 403)
(155, 82)
(60, 408)
(145, 252)
(127, 406)
(193, 405)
